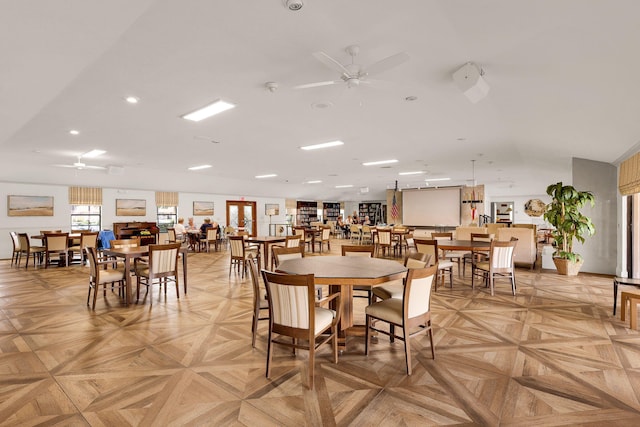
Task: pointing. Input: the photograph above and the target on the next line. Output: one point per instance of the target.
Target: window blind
(629, 179)
(85, 196)
(166, 198)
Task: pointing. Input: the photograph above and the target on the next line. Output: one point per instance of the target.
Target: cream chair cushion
(526, 249)
(464, 233)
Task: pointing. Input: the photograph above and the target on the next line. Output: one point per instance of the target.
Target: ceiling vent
(294, 4)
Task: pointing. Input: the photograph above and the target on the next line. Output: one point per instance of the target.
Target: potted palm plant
(564, 214)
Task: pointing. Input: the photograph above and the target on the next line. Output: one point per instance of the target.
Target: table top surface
(263, 239)
(135, 250)
(332, 268)
(463, 244)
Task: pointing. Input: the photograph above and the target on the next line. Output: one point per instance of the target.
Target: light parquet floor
(552, 355)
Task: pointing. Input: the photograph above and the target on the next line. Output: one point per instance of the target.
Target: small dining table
(266, 242)
(463, 245)
(131, 253)
(341, 274)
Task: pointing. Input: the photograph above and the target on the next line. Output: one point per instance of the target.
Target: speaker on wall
(469, 80)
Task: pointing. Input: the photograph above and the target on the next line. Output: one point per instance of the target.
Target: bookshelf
(331, 211)
(374, 210)
(307, 212)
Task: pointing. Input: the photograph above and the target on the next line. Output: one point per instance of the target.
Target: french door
(241, 215)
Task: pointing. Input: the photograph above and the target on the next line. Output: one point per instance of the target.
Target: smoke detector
(294, 4)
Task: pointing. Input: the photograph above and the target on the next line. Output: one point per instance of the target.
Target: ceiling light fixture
(379, 162)
(197, 168)
(411, 173)
(436, 179)
(93, 153)
(74, 132)
(344, 186)
(322, 145)
(269, 175)
(207, 111)
(314, 182)
(132, 99)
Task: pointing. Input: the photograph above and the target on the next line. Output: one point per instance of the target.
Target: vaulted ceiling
(563, 79)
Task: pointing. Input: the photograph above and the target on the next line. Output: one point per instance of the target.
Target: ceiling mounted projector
(294, 4)
(470, 82)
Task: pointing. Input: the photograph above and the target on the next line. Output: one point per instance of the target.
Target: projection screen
(431, 207)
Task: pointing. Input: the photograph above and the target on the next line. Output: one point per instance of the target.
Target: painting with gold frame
(131, 207)
(202, 208)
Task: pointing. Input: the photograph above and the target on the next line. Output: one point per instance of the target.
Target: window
(86, 217)
(167, 217)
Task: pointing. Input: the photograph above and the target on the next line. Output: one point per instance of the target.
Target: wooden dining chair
(289, 242)
(133, 242)
(385, 243)
(411, 313)
(56, 245)
(360, 250)
(240, 253)
(453, 256)
(15, 255)
(297, 320)
(324, 237)
(260, 302)
(475, 256)
(88, 239)
(499, 265)
(430, 247)
(212, 238)
(28, 250)
(101, 274)
(395, 289)
(162, 266)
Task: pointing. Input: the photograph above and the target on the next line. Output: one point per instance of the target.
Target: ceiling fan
(81, 165)
(353, 74)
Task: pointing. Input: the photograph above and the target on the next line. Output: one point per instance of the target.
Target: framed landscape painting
(272, 209)
(202, 208)
(131, 207)
(30, 205)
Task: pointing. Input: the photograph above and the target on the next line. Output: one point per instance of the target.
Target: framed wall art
(131, 207)
(202, 208)
(272, 209)
(29, 205)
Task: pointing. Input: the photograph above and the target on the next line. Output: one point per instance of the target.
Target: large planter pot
(567, 267)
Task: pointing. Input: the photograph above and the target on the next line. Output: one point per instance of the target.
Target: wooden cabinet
(147, 231)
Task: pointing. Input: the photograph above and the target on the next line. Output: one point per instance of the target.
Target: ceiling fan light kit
(469, 80)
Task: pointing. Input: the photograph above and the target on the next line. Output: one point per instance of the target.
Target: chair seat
(324, 318)
(456, 254)
(389, 290)
(111, 275)
(444, 264)
(389, 310)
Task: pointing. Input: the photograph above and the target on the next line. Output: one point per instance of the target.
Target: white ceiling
(563, 75)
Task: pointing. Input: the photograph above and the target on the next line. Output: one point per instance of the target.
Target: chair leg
(312, 350)
(269, 354)
(407, 349)
(367, 334)
(430, 332)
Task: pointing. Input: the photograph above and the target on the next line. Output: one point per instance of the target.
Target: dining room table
(266, 242)
(341, 274)
(464, 245)
(129, 254)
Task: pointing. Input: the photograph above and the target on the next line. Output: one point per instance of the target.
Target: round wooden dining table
(341, 274)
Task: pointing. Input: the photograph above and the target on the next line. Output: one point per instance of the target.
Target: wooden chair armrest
(335, 296)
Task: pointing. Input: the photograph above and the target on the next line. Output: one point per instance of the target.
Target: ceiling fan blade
(64, 166)
(318, 84)
(93, 167)
(331, 63)
(387, 63)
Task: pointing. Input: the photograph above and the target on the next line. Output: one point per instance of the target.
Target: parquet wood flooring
(552, 355)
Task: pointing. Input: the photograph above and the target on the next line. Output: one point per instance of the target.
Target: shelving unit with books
(307, 212)
(331, 210)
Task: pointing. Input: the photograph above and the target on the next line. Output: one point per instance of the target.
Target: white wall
(62, 210)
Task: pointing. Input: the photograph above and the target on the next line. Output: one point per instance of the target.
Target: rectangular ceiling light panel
(323, 145)
(212, 109)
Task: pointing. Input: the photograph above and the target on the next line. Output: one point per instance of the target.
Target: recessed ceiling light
(212, 109)
(314, 182)
(437, 179)
(411, 173)
(132, 99)
(197, 168)
(74, 132)
(269, 175)
(323, 145)
(93, 153)
(379, 162)
(344, 186)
